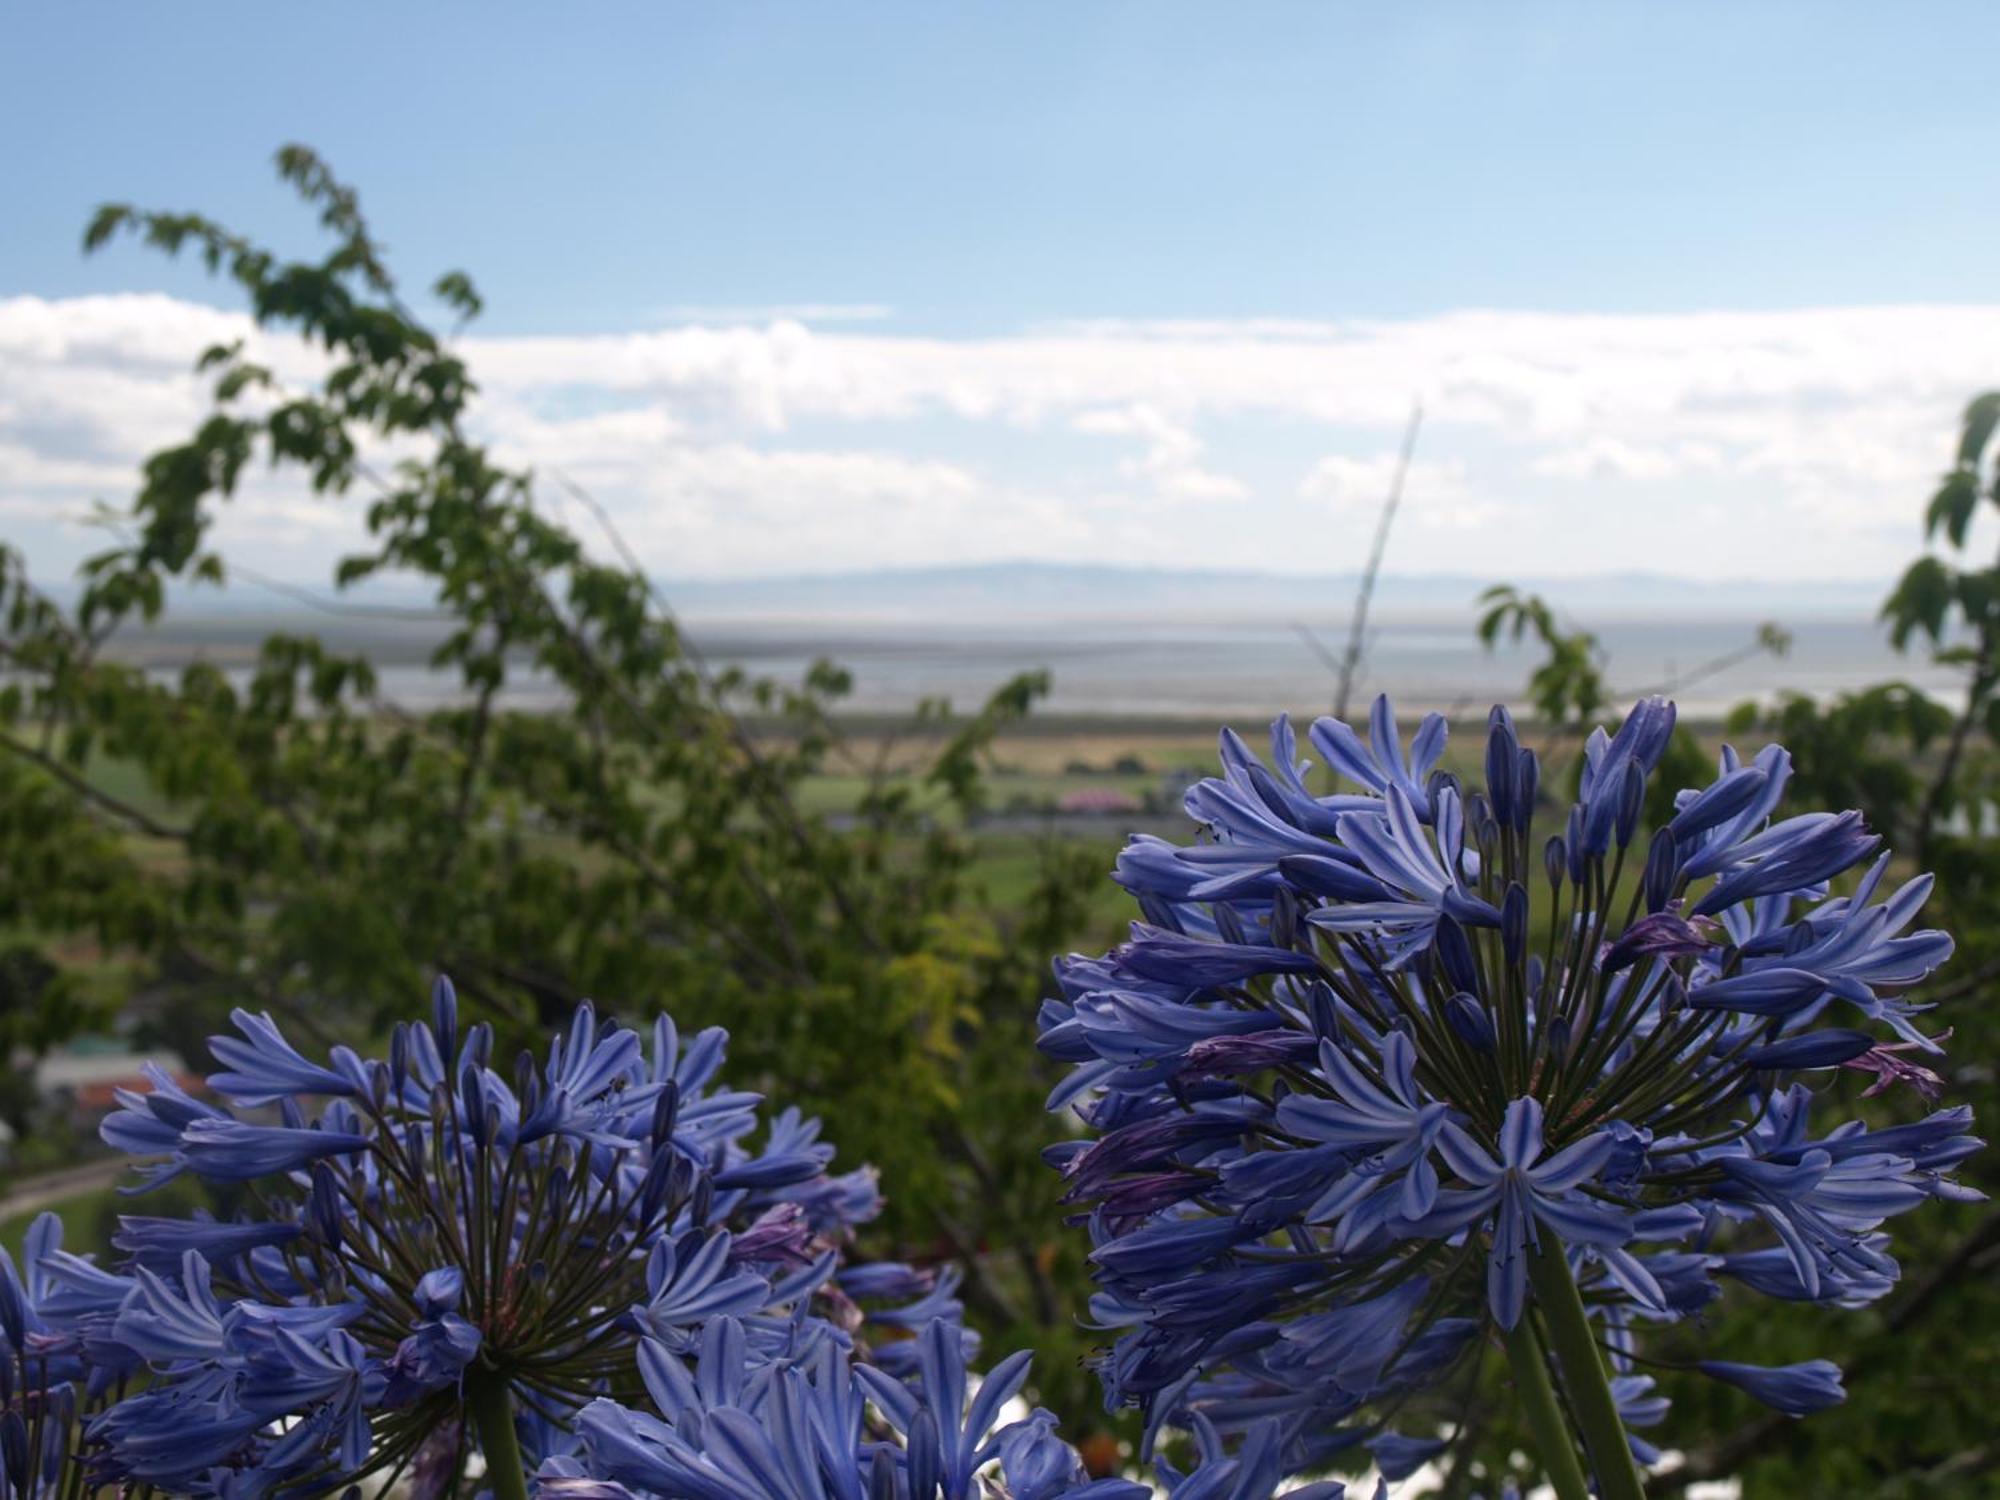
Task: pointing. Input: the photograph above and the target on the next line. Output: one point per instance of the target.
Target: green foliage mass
(296, 841)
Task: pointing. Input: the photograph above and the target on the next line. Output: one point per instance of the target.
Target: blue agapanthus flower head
(427, 1228)
(811, 1417)
(1392, 1058)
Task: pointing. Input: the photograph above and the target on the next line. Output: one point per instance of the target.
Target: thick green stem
(1585, 1380)
(1545, 1419)
(493, 1415)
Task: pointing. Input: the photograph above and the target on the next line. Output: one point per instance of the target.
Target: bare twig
(1357, 632)
(780, 806)
(1328, 657)
(1976, 694)
(1768, 640)
(313, 599)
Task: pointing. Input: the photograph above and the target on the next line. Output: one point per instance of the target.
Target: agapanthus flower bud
(1454, 955)
(444, 1020)
(1469, 1019)
(1503, 751)
(1813, 1049)
(1514, 922)
(1656, 884)
(1796, 1390)
(1527, 788)
(1555, 860)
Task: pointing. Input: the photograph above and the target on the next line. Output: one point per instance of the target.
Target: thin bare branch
(1357, 631)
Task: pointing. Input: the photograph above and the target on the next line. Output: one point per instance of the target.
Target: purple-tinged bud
(1468, 1018)
(1556, 1037)
(1503, 751)
(1322, 1009)
(14, 1454)
(666, 1114)
(1664, 934)
(399, 1058)
(1247, 1052)
(472, 1096)
(1514, 922)
(444, 1019)
(921, 1457)
(1796, 1390)
(1579, 856)
(1663, 868)
(1815, 1049)
(1439, 782)
(323, 1206)
(1454, 955)
(1555, 860)
(668, 1179)
(1527, 787)
(882, 1476)
(1284, 918)
(13, 1308)
(1631, 801)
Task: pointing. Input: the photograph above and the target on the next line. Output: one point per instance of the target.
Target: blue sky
(890, 176)
(976, 166)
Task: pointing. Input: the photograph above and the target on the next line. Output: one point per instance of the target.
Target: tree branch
(84, 788)
(1725, 1459)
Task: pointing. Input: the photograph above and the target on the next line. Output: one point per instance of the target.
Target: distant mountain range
(1011, 590)
(1022, 593)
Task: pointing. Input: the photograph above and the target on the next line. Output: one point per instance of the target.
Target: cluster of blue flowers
(1357, 1099)
(588, 1279)
(1383, 1069)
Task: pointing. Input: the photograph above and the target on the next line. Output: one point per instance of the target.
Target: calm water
(1206, 669)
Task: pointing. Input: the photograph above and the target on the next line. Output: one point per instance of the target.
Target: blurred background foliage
(292, 839)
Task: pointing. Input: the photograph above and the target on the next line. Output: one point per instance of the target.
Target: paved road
(46, 1189)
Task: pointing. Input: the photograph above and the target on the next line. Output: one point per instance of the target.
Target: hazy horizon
(1148, 643)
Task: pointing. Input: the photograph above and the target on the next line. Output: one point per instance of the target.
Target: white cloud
(1436, 496)
(1611, 458)
(1170, 467)
(1552, 442)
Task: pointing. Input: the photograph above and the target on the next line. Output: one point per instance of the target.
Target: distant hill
(1010, 590)
(391, 620)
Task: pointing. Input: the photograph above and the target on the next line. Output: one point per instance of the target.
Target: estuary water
(1247, 668)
